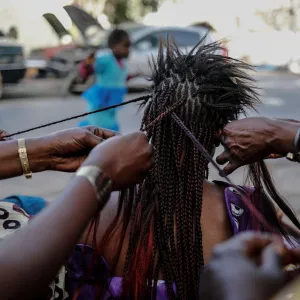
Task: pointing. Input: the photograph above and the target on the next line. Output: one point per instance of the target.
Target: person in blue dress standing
(111, 81)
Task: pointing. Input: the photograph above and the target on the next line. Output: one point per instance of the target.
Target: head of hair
(205, 90)
(116, 36)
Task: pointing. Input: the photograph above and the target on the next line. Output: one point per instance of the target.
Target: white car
(145, 44)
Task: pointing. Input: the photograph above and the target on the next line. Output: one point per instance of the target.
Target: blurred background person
(111, 76)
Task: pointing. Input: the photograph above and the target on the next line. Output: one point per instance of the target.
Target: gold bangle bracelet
(24, 158)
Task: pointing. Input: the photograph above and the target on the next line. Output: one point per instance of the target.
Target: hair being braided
(165, 229)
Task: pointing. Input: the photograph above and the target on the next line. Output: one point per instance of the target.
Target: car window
(149, 42)
(182, 38)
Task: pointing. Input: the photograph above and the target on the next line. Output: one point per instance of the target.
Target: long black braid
(201, 89)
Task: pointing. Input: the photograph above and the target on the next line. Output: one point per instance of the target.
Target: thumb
(91, 140)
(231, 167)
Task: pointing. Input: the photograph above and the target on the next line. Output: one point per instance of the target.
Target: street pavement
(37, 102)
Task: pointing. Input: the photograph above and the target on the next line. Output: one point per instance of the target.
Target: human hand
(125, 159)
(252, 139)
(246, 267)
(3, 135)
(65, 150)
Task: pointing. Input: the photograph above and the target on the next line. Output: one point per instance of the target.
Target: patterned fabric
(31, 205)
(12, 218)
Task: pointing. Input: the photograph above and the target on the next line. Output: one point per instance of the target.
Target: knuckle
(86, 135)
(90, 128)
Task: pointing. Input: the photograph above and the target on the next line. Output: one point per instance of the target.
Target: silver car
(145, 44)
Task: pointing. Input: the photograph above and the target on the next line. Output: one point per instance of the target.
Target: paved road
(35, 103)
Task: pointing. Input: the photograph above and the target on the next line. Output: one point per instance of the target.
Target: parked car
(12, 62)
(41, 59)
(91, 34)
(38, 58)
(145, 44)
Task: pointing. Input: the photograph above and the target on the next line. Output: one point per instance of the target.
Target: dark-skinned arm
(60, 151)
(10, 163)
(250, 140)
(31, 257)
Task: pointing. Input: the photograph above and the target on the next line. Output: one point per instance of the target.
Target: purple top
(240, 218)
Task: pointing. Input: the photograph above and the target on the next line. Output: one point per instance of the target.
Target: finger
(231, 167)
(3, 135)
(255, 245)
(271, 259)
(91, 140)
(106, 134)
(279, 214)
(223, 158)
(249, 244)
(101, 132)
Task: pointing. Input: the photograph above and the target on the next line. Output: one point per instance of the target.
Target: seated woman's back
(215, 223)
(165, 228)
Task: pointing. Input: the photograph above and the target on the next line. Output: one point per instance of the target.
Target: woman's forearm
(283, 137)
(31, 257)
(10, 163)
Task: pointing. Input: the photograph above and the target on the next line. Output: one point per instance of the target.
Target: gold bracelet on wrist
(101, 183)
(22, 150)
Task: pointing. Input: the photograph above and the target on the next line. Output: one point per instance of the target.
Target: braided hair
(205, 90)
(162, 214)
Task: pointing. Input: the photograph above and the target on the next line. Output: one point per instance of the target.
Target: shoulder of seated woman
(214, 206)
(214, 189)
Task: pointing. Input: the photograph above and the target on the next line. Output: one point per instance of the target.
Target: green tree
(151, 4)
(117, 11)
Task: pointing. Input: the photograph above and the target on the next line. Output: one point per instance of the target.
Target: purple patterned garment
(240, 218)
